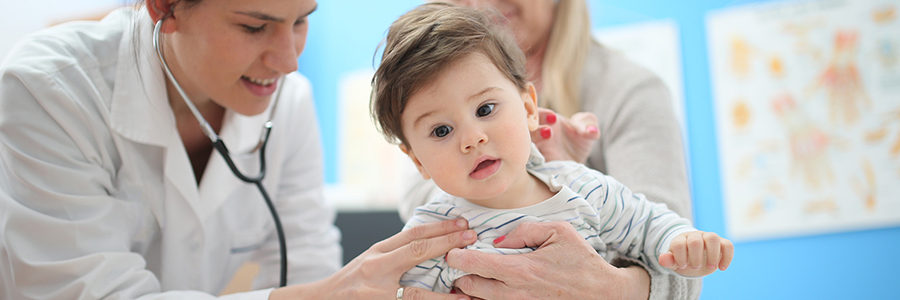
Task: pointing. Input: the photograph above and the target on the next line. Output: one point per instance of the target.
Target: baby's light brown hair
(425, 41)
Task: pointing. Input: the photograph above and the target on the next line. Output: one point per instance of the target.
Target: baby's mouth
(485, 169)
(484, 164)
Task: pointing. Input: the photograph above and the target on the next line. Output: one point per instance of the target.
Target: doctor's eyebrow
(267, 17)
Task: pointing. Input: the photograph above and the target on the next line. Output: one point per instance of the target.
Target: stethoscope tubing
(219, 145)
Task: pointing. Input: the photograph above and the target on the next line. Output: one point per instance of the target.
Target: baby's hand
(698, 253)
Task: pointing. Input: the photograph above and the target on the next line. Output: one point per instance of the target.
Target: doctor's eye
(441, 131)
(485, 110)
(251, 29)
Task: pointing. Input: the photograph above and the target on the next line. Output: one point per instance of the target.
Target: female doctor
(110, 189)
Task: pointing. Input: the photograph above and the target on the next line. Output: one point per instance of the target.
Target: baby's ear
(412, 155)
(529, 98)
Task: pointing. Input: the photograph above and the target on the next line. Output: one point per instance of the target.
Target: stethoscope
(219, 145)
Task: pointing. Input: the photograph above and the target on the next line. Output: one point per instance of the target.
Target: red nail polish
(551, 118)
(453, 291)
(499, 239)
(545, 132)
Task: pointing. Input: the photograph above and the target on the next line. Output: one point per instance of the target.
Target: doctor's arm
(66, 229)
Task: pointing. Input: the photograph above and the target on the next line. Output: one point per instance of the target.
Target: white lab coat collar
(140, 111)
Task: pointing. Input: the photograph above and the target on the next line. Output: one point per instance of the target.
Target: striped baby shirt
(607, 214)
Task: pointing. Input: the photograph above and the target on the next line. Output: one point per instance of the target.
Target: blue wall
(850, 265)
(343, 37)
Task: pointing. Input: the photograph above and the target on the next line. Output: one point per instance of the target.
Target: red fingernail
(453, 291)
(551, 118)
(499, 239)
(545, 132)
(445, 255)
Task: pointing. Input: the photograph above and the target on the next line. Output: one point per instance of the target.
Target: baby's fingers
(678, 249)
(727, 254)
(667, 260)
(713, 249)
(695, 249)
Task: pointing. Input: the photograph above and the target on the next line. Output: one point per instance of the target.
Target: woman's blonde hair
(564, 60)
(425, 41)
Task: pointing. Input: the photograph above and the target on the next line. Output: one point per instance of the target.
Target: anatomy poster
(807, 104)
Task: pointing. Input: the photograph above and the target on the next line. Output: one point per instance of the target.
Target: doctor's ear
(408, 151)
(160, 9)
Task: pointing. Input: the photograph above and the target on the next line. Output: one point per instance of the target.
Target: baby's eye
(441, 131)
(485, 110)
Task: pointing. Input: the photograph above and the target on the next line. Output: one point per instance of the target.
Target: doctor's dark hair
(425, 41)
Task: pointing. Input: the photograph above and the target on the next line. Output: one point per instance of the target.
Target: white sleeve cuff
(252, 295)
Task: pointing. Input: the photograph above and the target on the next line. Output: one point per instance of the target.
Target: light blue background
(851, 265)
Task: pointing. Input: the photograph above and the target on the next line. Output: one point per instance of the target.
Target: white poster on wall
(372, 173)
(807, 104)
(655, 46)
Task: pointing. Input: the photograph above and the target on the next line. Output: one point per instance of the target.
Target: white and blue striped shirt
(606, 213)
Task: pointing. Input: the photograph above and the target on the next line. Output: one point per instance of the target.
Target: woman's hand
(564, 266)
(559, 138)
(375, 274)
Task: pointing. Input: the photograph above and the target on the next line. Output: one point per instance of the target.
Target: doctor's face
(233, 51)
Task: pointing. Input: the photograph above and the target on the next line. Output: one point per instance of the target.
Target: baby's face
(469, 129)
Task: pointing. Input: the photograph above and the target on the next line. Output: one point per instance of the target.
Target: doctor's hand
(561, 138)
(375, 274)
(563, 266)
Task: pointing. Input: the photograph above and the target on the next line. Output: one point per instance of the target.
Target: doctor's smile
(260, 87)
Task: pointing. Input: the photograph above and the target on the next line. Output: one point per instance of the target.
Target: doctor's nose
(284, 50)
(472, 139)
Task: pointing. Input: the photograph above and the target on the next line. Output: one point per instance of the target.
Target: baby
(451, 91)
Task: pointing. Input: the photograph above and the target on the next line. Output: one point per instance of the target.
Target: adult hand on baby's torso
(564, 266)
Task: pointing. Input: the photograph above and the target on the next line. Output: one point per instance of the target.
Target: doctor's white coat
(97, 196)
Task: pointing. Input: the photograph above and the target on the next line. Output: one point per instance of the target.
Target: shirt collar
(139, 109)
